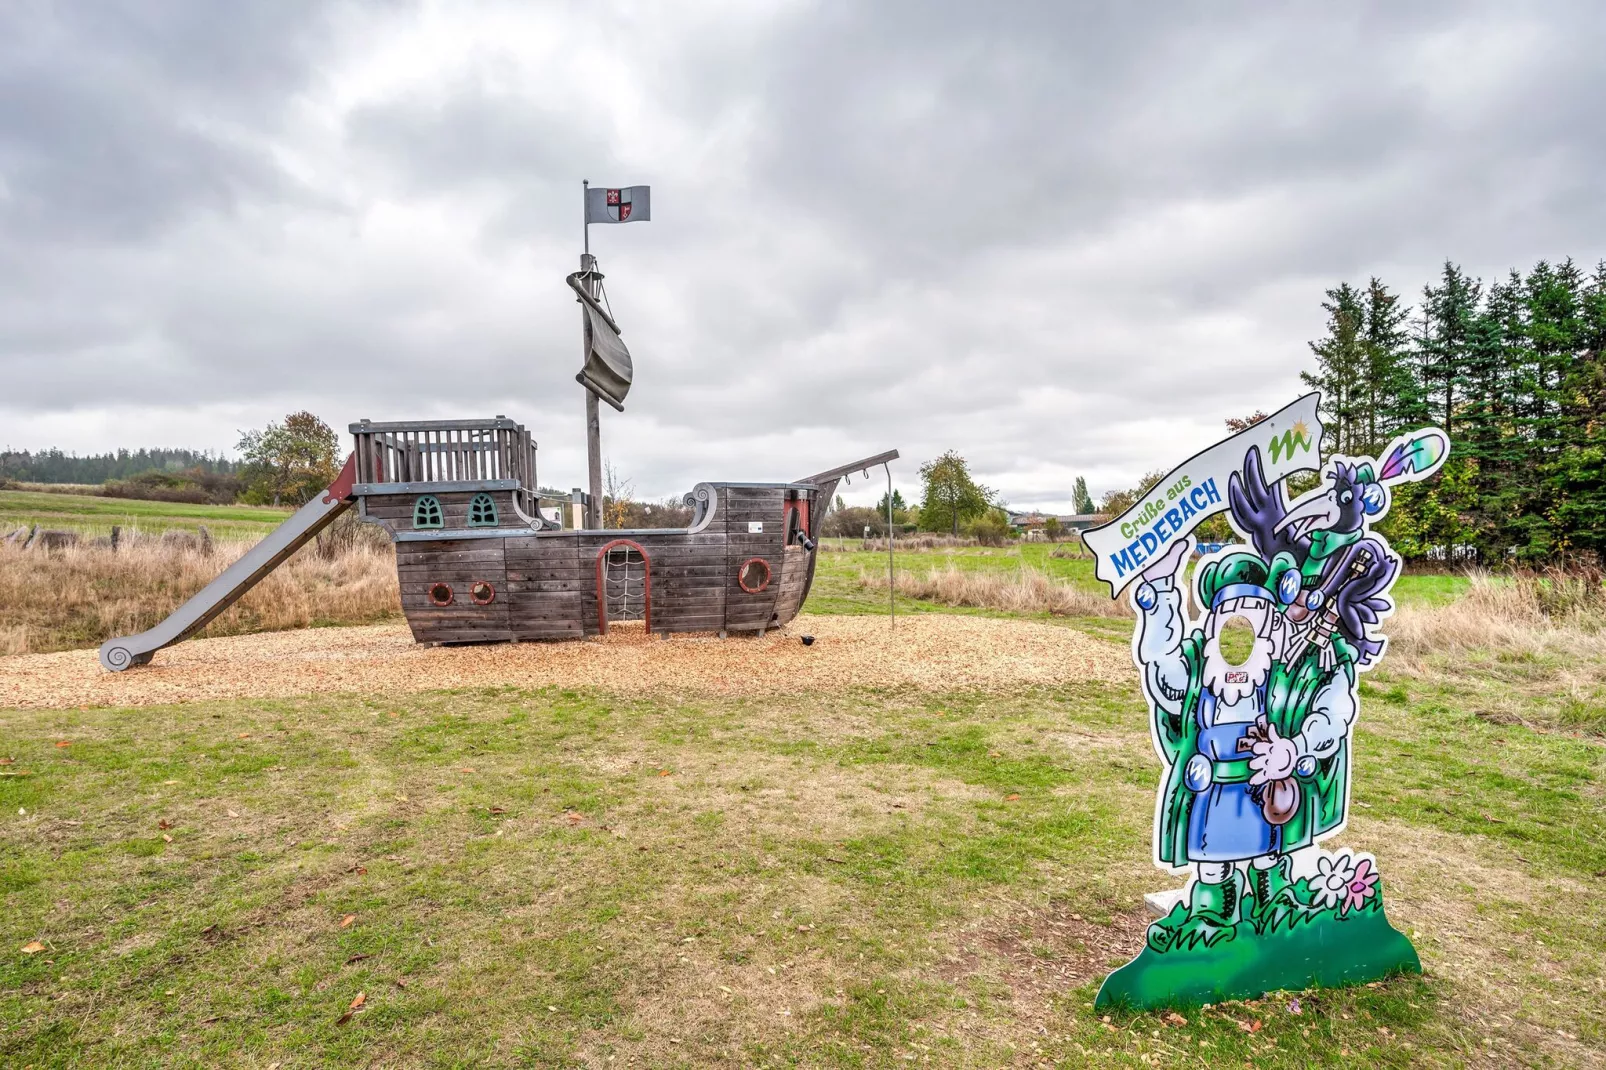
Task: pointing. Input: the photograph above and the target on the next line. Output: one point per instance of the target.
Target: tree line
(55, 466)
(284, 463)
(1513, 370)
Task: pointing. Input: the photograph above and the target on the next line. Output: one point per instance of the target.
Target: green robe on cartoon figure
(1230, 734)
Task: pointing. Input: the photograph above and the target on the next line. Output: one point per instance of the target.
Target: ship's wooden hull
(745, 565)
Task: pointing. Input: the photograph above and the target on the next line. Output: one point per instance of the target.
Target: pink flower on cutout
(1360, 888)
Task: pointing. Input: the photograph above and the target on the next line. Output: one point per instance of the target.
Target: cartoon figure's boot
(1275, 898)
(1213, 912)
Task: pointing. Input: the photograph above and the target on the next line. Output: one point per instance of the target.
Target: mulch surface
(931, 652)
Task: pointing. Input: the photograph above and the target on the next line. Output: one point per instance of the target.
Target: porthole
(482, 593)
(440, 594)
(482, 512)
(427, 512)
(754, 575)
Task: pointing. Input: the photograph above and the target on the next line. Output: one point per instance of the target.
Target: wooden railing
(444, 451)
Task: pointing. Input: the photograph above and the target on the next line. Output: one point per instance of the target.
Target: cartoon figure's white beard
(1231, 683)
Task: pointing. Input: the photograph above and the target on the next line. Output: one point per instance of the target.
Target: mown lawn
(869, 878)
(93, 515)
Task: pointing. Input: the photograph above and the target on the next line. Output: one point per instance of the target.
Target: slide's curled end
(115, 655)
(126, 651)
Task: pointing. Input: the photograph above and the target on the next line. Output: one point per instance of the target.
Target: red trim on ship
(602, 589)
(769, 574)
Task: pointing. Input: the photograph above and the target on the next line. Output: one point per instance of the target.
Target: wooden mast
(590, 279)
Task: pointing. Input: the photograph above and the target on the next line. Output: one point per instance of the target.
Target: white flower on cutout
(1332, 879)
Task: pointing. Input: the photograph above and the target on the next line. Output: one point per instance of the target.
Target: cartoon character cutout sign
(1256, 745)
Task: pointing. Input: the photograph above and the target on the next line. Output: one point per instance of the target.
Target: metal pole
(585, 211)
(892, 573)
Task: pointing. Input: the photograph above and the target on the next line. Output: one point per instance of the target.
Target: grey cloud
(121, 119)
(1061, 238)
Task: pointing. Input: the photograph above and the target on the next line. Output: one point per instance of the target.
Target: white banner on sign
(1289, 440)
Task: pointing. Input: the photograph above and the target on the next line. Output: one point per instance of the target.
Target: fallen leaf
(994, 754)
(245, 735)
(1256, 1026)
(497, 810)
(1175, 1019)
(164, 823)
(345, 922)
(362, 997)
(357, 958)
(465, 769)
(64, 743)
(663, 772)
(400, 983)
(1294, 1007)
(1012, 796)
(32, 948)
(574, 818)
(8, 761)
(214, 1018)
(344, 1018)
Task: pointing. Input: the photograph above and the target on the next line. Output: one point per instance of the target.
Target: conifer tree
(1340, 369)
(1083, 500)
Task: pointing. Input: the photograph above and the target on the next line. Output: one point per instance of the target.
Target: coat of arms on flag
(626, 204)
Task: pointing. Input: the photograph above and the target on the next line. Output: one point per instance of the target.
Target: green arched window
(427, 512)
(482, 511)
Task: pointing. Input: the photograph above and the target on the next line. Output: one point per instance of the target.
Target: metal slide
(267, 555)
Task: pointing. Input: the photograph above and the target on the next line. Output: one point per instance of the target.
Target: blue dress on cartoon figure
(1226, 822)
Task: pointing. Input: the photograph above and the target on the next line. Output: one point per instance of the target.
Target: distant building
(1031, 524)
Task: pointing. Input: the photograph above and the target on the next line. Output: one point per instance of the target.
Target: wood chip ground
(934, 652)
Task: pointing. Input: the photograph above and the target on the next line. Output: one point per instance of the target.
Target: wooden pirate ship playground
(484, 555)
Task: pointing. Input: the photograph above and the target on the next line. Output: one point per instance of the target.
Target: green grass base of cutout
(1327, 952)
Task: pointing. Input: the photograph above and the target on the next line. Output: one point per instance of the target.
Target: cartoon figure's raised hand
(1170, 562)
(1274, 757)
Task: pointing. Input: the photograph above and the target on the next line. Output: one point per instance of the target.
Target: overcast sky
(1061, 238)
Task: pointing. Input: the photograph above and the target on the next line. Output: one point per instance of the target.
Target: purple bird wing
(1362, 602)
(1257, 509)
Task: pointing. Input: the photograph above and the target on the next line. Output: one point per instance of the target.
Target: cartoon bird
(1341, 568)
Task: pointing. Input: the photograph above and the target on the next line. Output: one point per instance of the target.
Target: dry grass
(1027, 590)
(1555, 613)
(83, 595)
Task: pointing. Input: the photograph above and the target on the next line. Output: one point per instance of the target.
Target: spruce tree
(1340, 370)
(1449, 310)
(1393, 401)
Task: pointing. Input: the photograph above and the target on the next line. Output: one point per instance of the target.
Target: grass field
(93, 515)
(561, 878)
(837, 588)
(836, 877)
